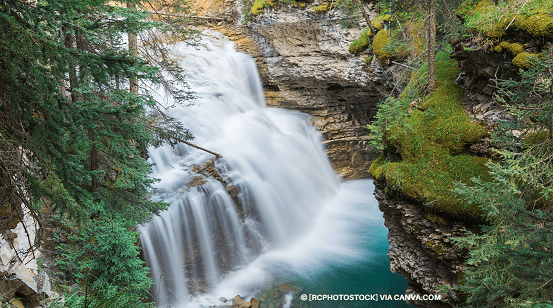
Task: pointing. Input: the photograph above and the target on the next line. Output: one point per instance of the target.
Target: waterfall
(273, 205)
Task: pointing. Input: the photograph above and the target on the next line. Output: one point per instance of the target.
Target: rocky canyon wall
(305, 65)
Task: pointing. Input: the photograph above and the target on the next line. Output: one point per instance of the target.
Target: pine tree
(511, 261)
(72, 138)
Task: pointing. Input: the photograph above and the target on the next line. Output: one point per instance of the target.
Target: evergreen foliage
(73, 139)
(511, 263)
(103, 256)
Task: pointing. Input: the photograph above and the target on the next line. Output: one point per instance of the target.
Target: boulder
(237, 300)
(19, 269)
(255, 302)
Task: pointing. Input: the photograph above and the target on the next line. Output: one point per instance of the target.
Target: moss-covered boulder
(362, 43)
(259, 5)
(380, 40)
(504, 44)
(381, 19)
(376, 167)
(515, 48)
(524, 59)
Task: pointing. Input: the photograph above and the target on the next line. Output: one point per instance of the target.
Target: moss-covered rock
(497, 48)
(380, 40)
(437, 219)
(381, 19)
(515, 48)
(362, 43)
(384, 37)
(504, 44)
(431, 143)
(321, 8)
(538, 24)
(259, 5)
(436, 247)
(524, 59)
(376, 168)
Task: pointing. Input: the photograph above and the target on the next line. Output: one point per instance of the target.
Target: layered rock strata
(421, 250)
(305, 65)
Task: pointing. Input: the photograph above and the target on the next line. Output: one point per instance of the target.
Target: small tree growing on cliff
(431, 46)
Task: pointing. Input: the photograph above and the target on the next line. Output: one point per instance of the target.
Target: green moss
(436, 218)
(302, 5)
(437, 248)
(497, 48)
(431, 145)
(383, 38)
(379, 41)
(505, 44)
(259, 5)
(524, 59)
(535, 138)
(362, 43)
(377, 167)
(379, 21)
(368, 60)
(515, 48)
(466, 8)
(492, 19)
(538, 24)
(322, 8)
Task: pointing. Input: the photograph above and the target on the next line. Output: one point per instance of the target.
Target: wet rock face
(421, 250)
(305, 65)
(340, 113)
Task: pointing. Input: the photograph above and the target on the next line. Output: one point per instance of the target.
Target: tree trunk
(432, 47)
(69, 42)
(133, 49)
(366, 16)
(94, 164)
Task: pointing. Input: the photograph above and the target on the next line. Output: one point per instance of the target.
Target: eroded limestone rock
(304, 62)
(421, 250)
(19, 270)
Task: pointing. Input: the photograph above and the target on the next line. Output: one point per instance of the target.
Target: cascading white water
(291, 213)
